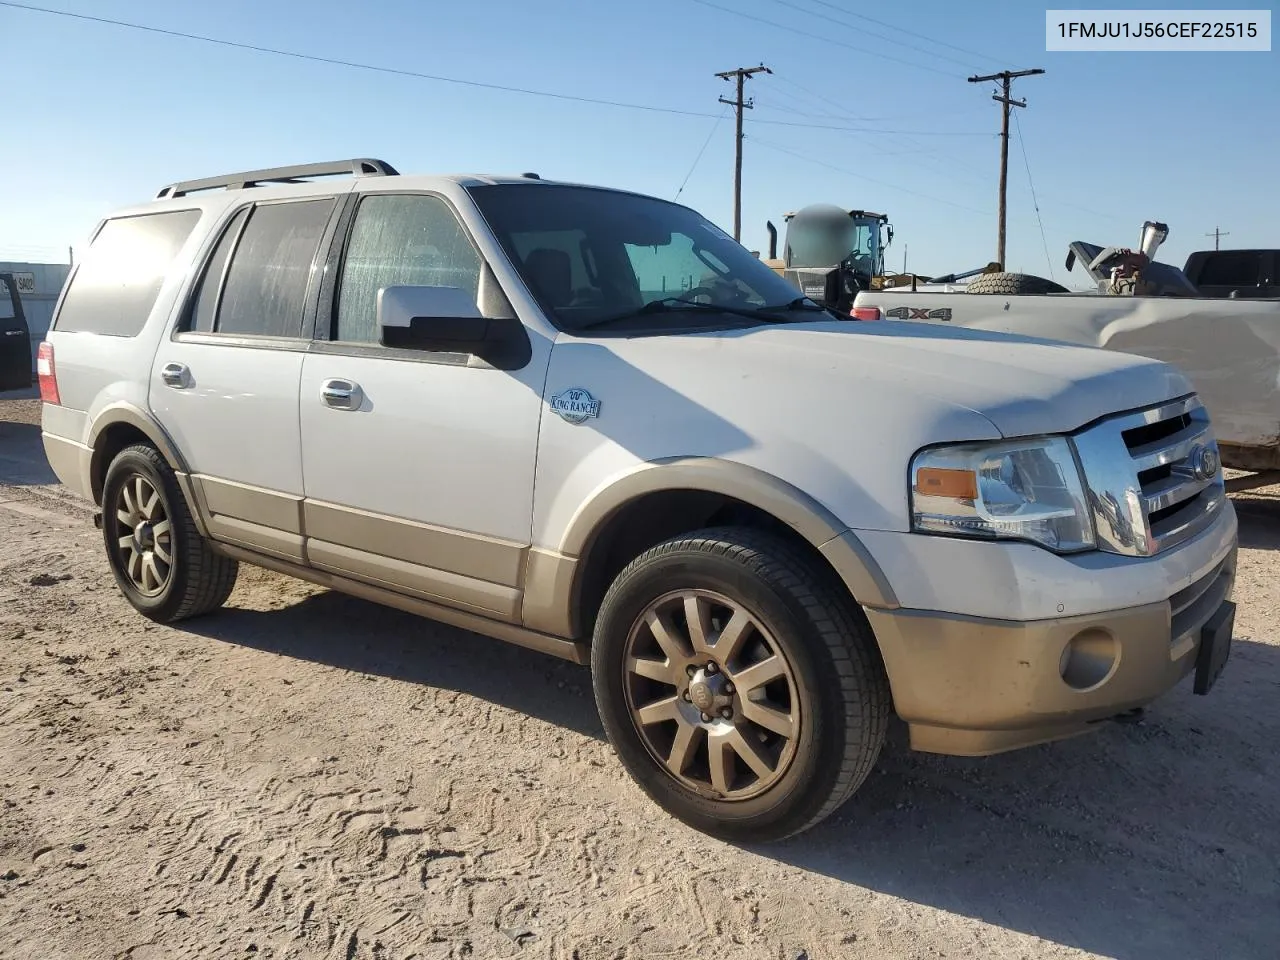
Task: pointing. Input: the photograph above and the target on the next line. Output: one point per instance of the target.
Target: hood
(836, 409)
(1022, 385)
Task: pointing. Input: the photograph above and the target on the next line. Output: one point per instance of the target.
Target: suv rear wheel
(165, 569)
(738, 684)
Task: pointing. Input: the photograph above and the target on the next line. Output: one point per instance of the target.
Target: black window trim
(299, 341)
(326, 313)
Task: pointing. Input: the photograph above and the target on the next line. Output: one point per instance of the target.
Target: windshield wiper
(677, 304)
(799, 303)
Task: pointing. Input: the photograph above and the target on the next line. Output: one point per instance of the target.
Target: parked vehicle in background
(1235, 273)
(511, 405)
(15, 338)
(1229, 348)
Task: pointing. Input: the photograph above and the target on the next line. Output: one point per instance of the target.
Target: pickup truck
(1229, 348)
(1235, 273)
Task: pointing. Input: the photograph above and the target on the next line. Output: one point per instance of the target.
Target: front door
(418, 467)
(225, 387)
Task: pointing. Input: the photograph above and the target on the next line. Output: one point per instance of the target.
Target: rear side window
(1231, 269)
(117, 283)
(266, 283)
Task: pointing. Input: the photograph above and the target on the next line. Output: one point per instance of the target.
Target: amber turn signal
(953, 484)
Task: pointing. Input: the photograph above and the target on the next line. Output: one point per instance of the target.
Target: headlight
(1017, 490)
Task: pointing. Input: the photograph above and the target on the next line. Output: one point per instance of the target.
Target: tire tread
(210, 577)
(831, 610)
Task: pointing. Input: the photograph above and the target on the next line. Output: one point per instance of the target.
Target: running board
(508, 632)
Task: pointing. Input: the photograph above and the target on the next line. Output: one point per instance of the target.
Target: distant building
(39, 285)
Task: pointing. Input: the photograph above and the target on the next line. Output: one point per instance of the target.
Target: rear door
(225, 384)
(15, 339)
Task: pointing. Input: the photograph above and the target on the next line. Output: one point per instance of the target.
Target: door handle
(341, 394)
(174, 375)
(13, 333)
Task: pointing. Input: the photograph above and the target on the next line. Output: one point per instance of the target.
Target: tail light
(48, 377)
(865, 313)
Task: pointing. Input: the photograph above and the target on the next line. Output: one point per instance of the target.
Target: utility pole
(1216, 234)
(1006, 101)
(742, 74)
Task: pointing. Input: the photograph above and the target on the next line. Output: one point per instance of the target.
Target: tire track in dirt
(315, 777)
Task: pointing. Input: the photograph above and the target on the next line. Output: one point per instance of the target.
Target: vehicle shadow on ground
(1259, 517)
(1109, 843)
(22, 459)
(1144, 841)
(364, 637)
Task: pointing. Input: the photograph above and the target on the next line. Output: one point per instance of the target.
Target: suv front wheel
(738, 685)
(165, 569)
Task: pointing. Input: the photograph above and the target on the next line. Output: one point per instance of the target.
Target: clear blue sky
(100, 116)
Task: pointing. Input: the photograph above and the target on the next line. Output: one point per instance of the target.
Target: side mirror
(450, 320)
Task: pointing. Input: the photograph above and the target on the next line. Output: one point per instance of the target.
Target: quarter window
(116, 285)
(400, 240)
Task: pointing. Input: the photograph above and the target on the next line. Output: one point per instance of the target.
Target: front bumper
(971, 686)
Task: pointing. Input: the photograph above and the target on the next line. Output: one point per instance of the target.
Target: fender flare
(128, 413)
(792, 506)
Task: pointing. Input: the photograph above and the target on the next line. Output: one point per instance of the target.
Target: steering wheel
(690, 294)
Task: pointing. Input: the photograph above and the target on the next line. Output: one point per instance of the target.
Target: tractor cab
(831, 253)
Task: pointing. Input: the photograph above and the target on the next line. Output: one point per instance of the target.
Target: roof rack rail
(359, 167)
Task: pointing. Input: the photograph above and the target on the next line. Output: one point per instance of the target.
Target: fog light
(1089, 659)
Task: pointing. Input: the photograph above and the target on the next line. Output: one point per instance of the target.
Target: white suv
(588, 421)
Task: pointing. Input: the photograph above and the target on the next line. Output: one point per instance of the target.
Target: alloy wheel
(145, 541)
(712, 694)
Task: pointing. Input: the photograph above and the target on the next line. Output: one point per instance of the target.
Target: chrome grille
(1149, 479)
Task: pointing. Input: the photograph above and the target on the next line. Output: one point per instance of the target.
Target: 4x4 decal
(919, 313)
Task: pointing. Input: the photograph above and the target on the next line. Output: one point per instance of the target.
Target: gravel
(309, 775)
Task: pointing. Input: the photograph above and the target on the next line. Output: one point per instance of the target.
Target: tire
(1012, 284)
(832, 696)
(194, 580)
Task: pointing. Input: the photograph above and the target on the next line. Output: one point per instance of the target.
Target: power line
(870, 33)
(812, 93)
(334, 61)
(783, 78)
(1034, 202)
(891, 26)
(698, 159)
(861, 176)
(820, 37)
(413, 74)
(797, 112)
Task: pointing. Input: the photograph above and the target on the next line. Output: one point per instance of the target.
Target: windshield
(589, 254)
(826, 242)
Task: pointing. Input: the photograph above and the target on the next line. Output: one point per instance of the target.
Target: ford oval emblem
(575, 405)
(1203, 462)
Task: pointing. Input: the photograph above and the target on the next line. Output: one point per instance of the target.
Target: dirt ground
(308, 775)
